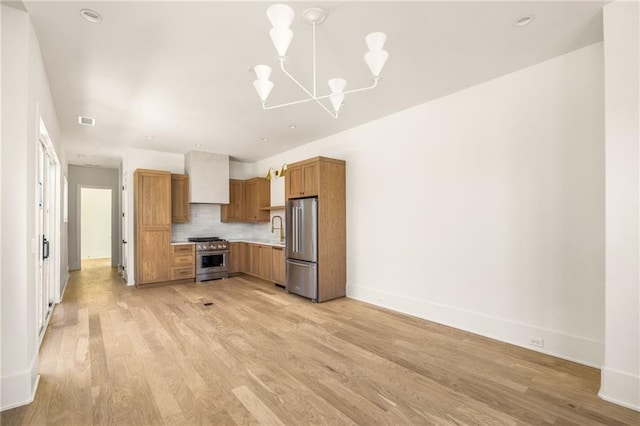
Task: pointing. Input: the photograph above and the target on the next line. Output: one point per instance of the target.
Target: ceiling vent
(87, 121)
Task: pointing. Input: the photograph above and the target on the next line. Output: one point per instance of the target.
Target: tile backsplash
(205, 222)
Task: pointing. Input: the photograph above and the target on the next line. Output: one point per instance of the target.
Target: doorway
(95, 223)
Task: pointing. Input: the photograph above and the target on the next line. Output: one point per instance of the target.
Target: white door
(46, 201)
(124, 227)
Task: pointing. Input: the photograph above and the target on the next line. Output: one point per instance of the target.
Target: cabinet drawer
(181, 273)
(183, 260)
(183, 248)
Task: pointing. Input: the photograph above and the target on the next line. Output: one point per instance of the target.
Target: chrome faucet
(273, 228)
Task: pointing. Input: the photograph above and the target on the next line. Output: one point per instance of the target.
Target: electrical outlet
(536, 341)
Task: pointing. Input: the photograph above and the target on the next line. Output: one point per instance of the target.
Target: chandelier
(281, 16)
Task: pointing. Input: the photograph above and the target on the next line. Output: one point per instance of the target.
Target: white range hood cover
(208, 177)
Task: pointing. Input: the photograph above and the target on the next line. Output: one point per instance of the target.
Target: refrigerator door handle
(301, 224)
(294, 216)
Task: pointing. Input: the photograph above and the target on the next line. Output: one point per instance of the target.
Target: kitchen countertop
(257, 241)
(177, 243)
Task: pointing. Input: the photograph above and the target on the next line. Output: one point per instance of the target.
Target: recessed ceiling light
(198, 145)
(264, 139)
(292, 126)
(91, 15)
(523, 20)
(87, 121)
(148, 137)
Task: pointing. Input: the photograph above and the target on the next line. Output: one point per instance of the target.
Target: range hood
(208, 177)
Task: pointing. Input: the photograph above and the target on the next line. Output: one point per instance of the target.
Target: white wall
(621, 370)
(484, 210)
(25, 97)
(95, 223)
(95, 177)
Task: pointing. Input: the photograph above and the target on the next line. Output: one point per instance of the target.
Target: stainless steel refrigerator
(302, 247)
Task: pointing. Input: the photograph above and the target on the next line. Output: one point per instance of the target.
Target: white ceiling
(177, 71)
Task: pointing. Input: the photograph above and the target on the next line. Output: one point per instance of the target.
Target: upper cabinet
(257, 195)
(302, 179)
(179, 198)
(247, 198)
(234, 211)
(208, 177)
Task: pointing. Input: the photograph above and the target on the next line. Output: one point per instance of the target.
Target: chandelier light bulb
(375, 60)
(263, 87)
(336, 101)
(375, 41)
(337, 86)
(280, 15)
(281, 38)
(263, 72)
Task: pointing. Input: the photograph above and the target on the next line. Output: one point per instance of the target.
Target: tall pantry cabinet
(324, 178)
(152, 226)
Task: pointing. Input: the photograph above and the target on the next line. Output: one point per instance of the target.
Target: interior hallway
(116, 354)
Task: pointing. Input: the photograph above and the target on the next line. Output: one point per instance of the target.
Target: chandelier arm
(305, 90)
(314, 59)
(301, 101)
(317, 98)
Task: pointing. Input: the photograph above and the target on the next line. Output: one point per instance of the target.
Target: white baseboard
(66, 282)
(20, 389)
(561, 345)
(620, 388)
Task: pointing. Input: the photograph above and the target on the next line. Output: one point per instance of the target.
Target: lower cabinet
(183, 262)
(260, 260)
(277, 265)
(237, 257)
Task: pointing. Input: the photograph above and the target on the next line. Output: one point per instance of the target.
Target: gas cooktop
(204, 239)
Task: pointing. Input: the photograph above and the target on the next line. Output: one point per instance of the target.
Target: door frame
(79, 219)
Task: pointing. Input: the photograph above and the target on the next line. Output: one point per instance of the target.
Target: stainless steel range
(212, 254)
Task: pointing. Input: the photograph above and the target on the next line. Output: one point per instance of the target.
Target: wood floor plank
(120, 355)
(257, 408)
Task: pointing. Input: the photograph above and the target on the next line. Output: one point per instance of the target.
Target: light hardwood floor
(120, 355)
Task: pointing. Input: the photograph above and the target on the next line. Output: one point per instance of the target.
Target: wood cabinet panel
(246, 199)
(153, 207)
(179, 198)
(302, 179)
(293, 182)
(183, 273)
(235, 210)
(153, 262)
(152, 226)
(183, 248)
(264, 262)
(257, 195)
(183, 260)
(278, 265)
(237, 257)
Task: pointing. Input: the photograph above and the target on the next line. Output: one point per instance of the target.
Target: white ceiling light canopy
(281, 16)
(91, 15)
